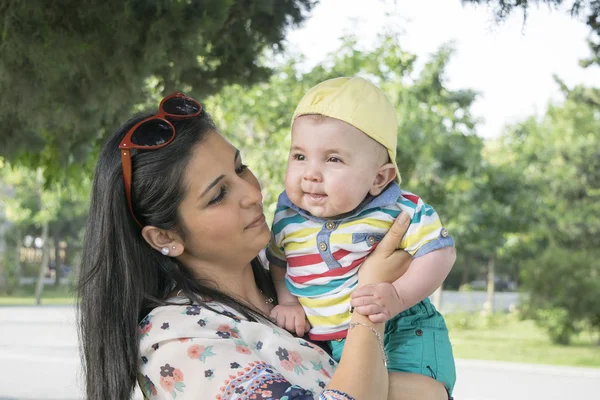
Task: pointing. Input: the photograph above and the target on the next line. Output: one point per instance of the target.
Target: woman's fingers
(392, 239)
(370, 309)
(363, 291)
(378, 318)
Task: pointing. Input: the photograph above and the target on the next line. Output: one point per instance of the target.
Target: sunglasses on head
(155, 132)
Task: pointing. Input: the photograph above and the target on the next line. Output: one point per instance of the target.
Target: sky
(510, 63)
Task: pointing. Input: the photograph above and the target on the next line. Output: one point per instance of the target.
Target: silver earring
(165, 251)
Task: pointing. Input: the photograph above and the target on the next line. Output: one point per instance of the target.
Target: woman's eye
(334, 159)
(240, 170)
(299, 157)
(219, 197)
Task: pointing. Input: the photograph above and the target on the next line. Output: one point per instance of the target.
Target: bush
(557, 323)
(564, 291)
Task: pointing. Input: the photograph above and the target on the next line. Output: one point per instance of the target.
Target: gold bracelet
(377, 334)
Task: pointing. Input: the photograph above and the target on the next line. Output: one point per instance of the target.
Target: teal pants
(416, 340)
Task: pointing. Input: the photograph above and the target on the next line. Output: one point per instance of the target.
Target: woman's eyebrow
(216, 181)
(212, 185)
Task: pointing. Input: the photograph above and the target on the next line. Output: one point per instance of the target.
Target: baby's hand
(378, 301)
(291, 317)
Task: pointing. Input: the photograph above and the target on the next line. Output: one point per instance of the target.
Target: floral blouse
(189, 352)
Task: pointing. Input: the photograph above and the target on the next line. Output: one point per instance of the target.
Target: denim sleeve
(436, 244)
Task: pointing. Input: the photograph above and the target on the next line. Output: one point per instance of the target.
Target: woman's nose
(251, 193)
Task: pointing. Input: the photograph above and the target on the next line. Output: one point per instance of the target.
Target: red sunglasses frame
(126, 144)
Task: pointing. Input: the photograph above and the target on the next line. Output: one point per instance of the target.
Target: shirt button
(419, 332)
(330, 225)
(322, 246)
(371, 240)
(444, 233)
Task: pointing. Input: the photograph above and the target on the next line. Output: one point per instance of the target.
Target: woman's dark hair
(122, 278)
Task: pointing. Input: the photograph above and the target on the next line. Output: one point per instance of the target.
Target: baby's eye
(334, 159)
(299, 157)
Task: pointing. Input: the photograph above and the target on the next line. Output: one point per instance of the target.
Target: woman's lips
(259, 221)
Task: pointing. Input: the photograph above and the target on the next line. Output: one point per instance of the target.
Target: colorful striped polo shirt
(322, 256)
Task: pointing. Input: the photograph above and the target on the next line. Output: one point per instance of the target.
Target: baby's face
(332, 166)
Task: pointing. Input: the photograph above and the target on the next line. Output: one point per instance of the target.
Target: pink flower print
(177, 375)
(287, 365)
(171, 379)
(195, 351)
(243, 349)
(267, 394)
(168, 383)
(145, 329)
(295, 358)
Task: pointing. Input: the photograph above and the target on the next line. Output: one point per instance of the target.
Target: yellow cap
(359, 103)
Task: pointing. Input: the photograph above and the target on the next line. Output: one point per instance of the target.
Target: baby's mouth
(316, 196)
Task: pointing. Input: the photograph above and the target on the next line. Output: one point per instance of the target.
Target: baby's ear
(385, 174)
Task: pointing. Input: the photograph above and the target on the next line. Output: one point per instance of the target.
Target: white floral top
(189, 352)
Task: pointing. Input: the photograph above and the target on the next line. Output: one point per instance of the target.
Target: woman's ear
(166, 242)
(385, 174)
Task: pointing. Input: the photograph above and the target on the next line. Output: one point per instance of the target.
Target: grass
(25, 296)
(503, 337)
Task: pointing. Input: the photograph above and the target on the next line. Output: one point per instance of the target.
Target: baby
(341, 196)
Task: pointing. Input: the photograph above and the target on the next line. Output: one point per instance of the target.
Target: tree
(559, 158)
(75, 69)
(31, 204)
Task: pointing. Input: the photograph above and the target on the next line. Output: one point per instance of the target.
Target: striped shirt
(322, 256)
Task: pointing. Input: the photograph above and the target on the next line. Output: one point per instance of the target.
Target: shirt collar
(389, 196)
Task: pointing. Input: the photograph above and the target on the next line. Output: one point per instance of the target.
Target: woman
(173, 294)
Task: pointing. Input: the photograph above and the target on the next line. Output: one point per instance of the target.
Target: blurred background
(499, 110)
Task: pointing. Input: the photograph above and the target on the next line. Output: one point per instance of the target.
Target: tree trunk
(490, 286)
(57, 260)
(18, 269)
(43, 265)
(465, 273)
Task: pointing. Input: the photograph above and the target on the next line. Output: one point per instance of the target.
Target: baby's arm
(289, 313)
(424, 276)
(383, 301)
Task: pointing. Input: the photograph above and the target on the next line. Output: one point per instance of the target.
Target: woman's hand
(375, 297)
(386, 263)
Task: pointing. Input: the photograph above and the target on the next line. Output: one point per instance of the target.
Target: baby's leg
(407, 386)
(416, 342)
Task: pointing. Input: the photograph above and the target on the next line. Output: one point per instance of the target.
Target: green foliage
(72, 70)
(558, 323)
(10, 262)
(564, 291)
(559, 161)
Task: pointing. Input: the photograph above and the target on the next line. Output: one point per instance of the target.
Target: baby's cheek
(344, 198)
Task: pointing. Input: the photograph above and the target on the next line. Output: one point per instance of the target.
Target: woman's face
(222, 207)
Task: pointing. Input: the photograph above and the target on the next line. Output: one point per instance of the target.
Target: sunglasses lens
(152, 133)
(181, 106)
